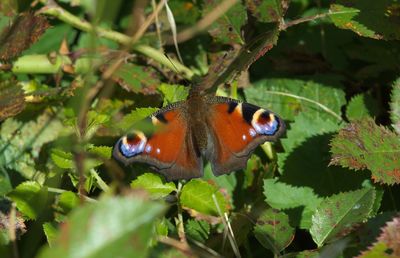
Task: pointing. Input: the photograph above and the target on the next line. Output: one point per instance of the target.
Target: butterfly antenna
(176, 69)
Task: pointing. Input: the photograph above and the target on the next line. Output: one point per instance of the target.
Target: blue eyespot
(268, 128)
(130, 148)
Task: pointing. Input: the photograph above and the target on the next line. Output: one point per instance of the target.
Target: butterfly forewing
(236, 129)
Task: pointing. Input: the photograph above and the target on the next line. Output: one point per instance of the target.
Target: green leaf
(62, 159)
(265, 11)
(198, 195)
(273, 231)
(339, 213)
(227, 29)
(198, 230)
(154, 184)
(395, 106)
(35, 134)
(173, 93)
(50, 230)
(119, 226)
(363, 144)
(66, 202)
(373, 19)
(304, 97)
(284, 196)
(136, 115)
(30, 198)
(361, 106)
(136, 78)
(303, 128)
(5, 183)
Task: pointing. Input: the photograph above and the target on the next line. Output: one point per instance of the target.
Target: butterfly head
(132, 144)
(265, 123)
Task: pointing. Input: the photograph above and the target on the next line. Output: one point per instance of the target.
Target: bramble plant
(76, 75)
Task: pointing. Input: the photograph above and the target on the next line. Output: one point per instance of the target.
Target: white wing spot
(252, 132)
(244, 137)
(148, 148)
(158, 150)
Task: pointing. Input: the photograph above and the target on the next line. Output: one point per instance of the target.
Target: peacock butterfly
(224, 131)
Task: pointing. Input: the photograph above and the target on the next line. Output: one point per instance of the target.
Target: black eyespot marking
(232, 106)
(248, 111)
(264, 117)
(162, 118)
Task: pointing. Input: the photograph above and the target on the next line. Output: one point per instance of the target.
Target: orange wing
(236, 130)
(170, 150)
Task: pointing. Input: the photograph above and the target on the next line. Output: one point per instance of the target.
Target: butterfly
(221, 130)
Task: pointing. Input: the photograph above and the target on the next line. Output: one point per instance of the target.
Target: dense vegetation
(75, 75)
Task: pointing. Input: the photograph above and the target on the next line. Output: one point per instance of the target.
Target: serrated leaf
(198, 230)
(30, 198)
(118, 225)
(363, 144)
(273, 231)
(373, 19)
(12, 100)
(197, 195)
(25, 30)
(265, 11)
(173, 93)
(288, 107)
(284, 196)
(135, 116)
(395, 106)
(361, 106)
(227, 29)
(67, 201)
(388, 242)
(62, 159)
(154, 184)
(23, 142)
(50, 230)
(339, 213)
(304, 127)
(136, 78)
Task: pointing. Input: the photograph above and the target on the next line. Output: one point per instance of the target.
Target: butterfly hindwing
(169, 150)
(236, 129)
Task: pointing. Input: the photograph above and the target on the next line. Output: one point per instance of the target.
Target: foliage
(77, 75)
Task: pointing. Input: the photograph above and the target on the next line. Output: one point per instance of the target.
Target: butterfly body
(222, 130)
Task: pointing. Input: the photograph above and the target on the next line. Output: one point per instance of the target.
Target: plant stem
(67, 17)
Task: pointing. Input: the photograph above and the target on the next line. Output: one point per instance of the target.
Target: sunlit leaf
(395, 106)
(361, 106)
(374, 19)
(198, 230)
(363, 144)
(173, 93)
(30, 198)
(227, 29)
(119, 225)
(135, 116)
(338, 213)
(198, 195)
(284, 196)
(154, 184)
